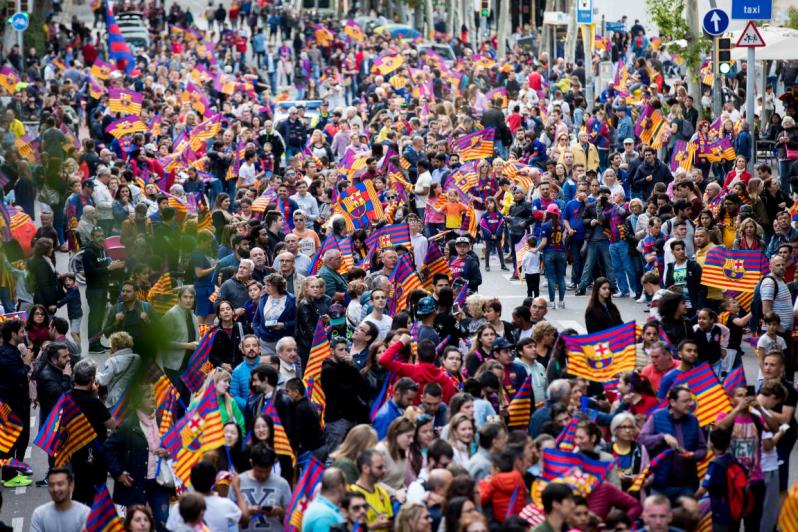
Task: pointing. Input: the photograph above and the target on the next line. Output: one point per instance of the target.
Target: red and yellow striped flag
(788, 517)
(319, 352)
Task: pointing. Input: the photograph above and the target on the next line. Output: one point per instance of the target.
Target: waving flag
(126, 126)
(621, 75)
(709, 395)
(65, 431)
(198, 363)
(558, 463)
(683, 155)
(788, 516)
(28, 148)
(17, 465)
(434, 263)
(602, 355)
(386, 64)
(476, 145)
(303, 492)
(565, 439)
(735, 379)
(353, 30)
(323, 35)
(520, 408)
(734, 269)
(118, 49)
(655, 462)
(103, 516)
(499, 93)
(10, 428)
(654, 128)
(718, 151)
(197, 98)
(161, 295)
(318, 260)
(124, 101)
(9, 79)
(483, 61)
(361, 204)
(101, 70)
(707, 74)
(282, 445)
(404, 279)
(5, 223)
(389, 236)
(319, 352)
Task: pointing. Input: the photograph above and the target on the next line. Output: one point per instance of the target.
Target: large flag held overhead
(520, 408)
(303, 492)
(683, 155)
(602, 355)
(361, 205)
(126, 126)
(388, 63)
(389, 236)
(10, 428)
(65, 431)
(710, 397)
(198, 363)
(103, 516)
(558, 463)
(476, 145)
(718, 151)
(734, 269)
(319, 352)
(124, 101)
(161, 295)
(118, 49)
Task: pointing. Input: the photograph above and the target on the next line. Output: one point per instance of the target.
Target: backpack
(756, 303)
(687, 129)
(740, 497)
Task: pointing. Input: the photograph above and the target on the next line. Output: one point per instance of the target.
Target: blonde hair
(215, 377)
(360, 438)
(474, 304)
(120, 340)
(408, 516)
(540, 329)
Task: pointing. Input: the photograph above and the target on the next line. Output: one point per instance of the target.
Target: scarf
(149, 425)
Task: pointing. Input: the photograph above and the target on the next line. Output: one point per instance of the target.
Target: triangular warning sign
(750, 37)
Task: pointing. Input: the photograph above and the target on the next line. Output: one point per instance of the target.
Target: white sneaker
(641, 300)
(553, 305)
(561, 304)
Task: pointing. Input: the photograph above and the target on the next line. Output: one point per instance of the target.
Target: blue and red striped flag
(120, 410)
(103, 516)
(385, 393)
(303, 492)
(710, 397)
(558, 463)
(461, 296)
(281, 443)
(735, 379)
(405, 279)
(10, 428)
(65, 431)
(602, 355)
(565, 439)
(198, 363)
(734, 269)
(434, 263)
(318, 260)
(319, 352)
(389, 236)
(520, 408)
(17, 465)
(360, 204)
(118, 49)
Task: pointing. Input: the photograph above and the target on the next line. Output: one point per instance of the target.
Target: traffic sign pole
(19, 40)
(717, 90)
(749, 107)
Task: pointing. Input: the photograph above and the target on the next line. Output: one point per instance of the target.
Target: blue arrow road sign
(716, 21)
(752, 9)
(19, 21)
(584, 12)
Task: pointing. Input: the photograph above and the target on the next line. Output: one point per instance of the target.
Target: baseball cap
(426, 306)
(628, 141)
(501, 343)
(553, 209)
(462, 240)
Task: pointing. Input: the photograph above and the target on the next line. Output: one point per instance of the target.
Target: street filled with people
(245, 279)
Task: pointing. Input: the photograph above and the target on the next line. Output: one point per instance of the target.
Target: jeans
(493, 244)
(97, 299)
(158, 500)
(555, 263)
(597, 251)
(604, 158)
(575, 249)
(623, 266)
(674, 492)
(500, 149)
(784, 175)
(770, 505)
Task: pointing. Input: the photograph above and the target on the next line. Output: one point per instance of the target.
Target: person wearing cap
(465, 266)
(552, 246)
(596, 218)
(424, 371)
(630, 158)
(514, 373)
(427, 312)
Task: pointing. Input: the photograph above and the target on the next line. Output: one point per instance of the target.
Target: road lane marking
(16, 523)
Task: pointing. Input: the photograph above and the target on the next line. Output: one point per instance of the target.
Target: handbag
(165, 475)
(792, 155)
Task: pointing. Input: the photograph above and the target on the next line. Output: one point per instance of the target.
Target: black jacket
(346, 392)
(44, 281)
(127, 450)
(695, 289)
(95, 267)
(227, 349)
(658, 170)
(600, 317)
(307, 316)
(51, 383)
(708, 350)
(307, 434)
(14, 383)
(495, 118)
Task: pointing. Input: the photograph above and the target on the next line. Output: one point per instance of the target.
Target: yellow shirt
(379, 503)
(729, 231)
(17, 128)
(507, 202)
(701, 257)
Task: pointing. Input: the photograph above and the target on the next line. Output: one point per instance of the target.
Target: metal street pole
(717, 92)
(750, 100)
(588, 47)
(19, 41)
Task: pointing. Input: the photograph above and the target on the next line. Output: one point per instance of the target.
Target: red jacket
(498, 492)
(422, 372)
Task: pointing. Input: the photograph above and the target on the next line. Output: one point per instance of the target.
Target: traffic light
(484, 9)
(724, 55)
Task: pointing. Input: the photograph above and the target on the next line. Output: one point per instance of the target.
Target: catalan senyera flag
(198, 365)
(710, 397)
(405, 279)
(353, 30)
(161, 295)
(10, 428)
(103, 516)
(101, 70)
(323, 35)
(198, 432)
(303, 492)
(718, 151)
(734, 269)
(282, 445)
(387, 63)
(683, 155)
(483, 61)
(9, 79)
(476, 145)
(788, 516)
(65, 431)
(319, 352)
(434, 263)
(558, 463)
(124, 101)
(126, 126)
(520, 408)
(602, 355)
(360, 203)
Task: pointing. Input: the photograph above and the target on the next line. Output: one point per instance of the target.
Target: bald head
(439, 480)
(333, 484)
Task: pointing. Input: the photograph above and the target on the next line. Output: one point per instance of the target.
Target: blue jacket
(72, 300)
(385, 415)
(626, 129)
(742, 144)
(663, 424)
(288, 317)
(239, 384)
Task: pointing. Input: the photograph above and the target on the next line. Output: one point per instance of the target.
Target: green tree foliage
(669, 17)
(792, 18)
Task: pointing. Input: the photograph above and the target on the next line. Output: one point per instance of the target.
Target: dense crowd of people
(276, 231)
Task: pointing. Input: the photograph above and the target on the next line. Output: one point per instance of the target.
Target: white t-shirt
(46, 518)
(221, 514)
(770, 459)
(247, 174)
(383, 325)
(424, 182)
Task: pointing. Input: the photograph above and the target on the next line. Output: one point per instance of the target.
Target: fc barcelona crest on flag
(734, 269)
(599, 356)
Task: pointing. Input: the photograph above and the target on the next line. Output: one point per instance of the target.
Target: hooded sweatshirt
(421, 372)
(506, 492)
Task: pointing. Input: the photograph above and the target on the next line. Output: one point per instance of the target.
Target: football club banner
(602, 355)
(734, 269)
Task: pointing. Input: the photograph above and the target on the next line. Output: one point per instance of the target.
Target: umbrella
(398, 30)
